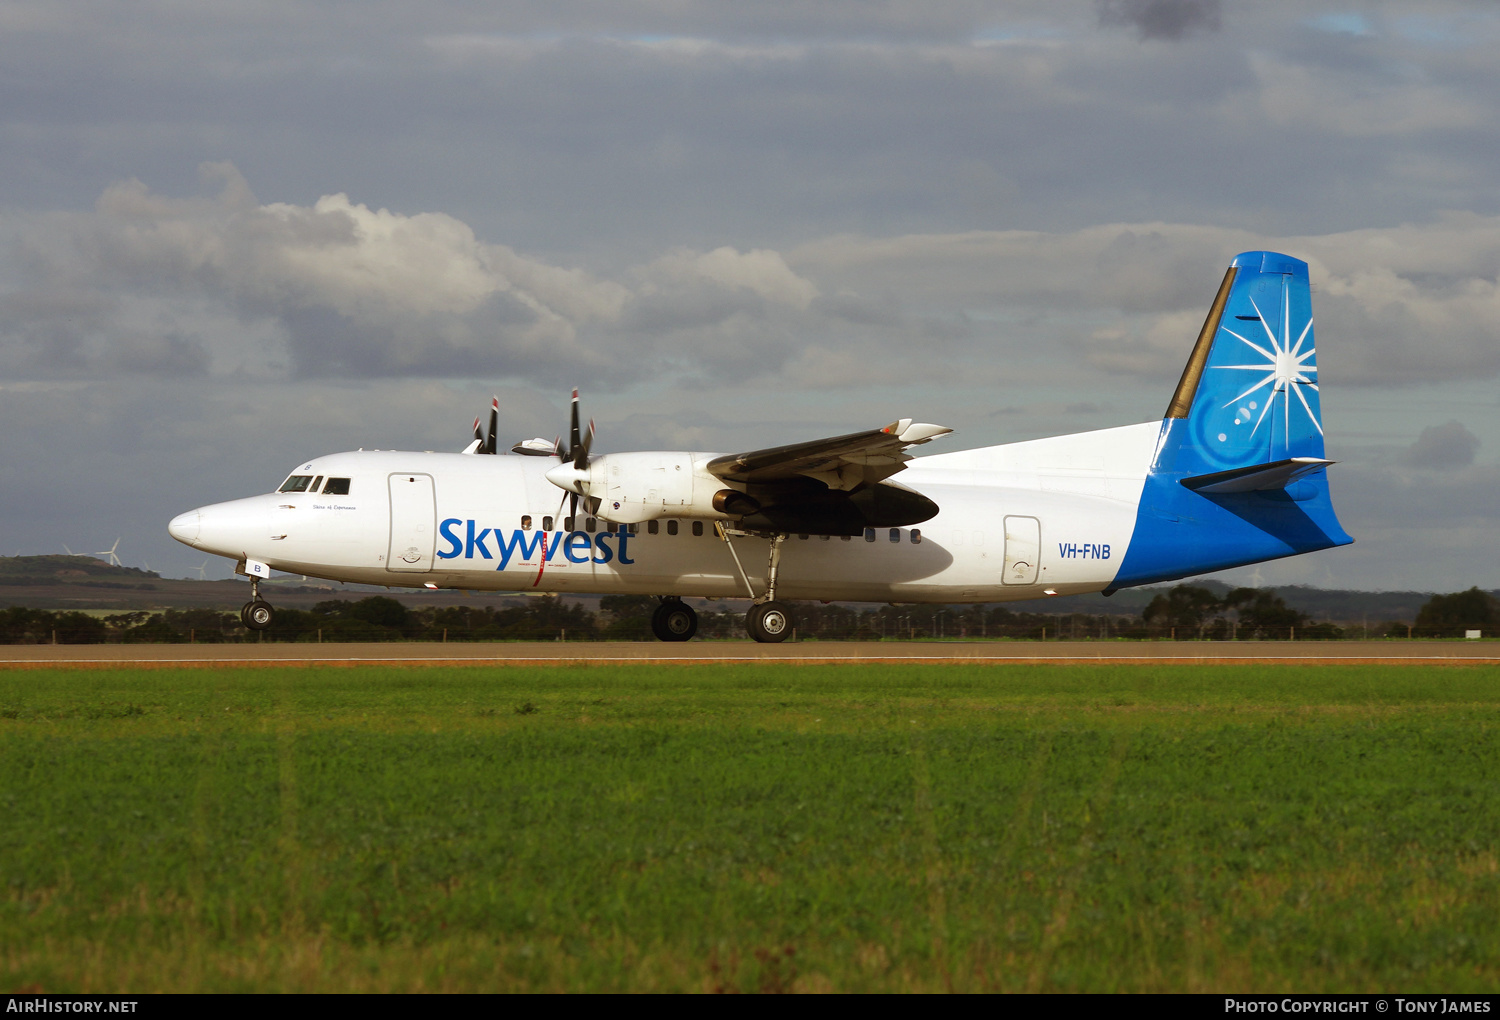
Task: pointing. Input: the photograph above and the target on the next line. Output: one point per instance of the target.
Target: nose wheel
(674, 620)
(256, 614)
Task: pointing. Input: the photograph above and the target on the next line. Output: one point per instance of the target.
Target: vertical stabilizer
(1239, 474)
(1250, 392)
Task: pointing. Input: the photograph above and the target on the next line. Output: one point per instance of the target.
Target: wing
(842, 463)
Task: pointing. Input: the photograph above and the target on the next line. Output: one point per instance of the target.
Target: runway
(545, 652)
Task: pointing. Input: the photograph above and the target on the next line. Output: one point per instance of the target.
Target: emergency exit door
(1023, 550)
(413, 523)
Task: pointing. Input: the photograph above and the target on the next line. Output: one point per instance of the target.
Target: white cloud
(226, 284)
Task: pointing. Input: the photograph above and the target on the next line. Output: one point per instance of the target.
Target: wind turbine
(109, 554)
(201, 575)
(70, 552)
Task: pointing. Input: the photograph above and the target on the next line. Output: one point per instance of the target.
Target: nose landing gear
(256, 614)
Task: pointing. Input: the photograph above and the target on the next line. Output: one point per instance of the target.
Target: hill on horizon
(61, 566)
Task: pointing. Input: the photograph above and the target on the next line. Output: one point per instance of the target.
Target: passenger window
(635, 529)
(653, 527)
(895, 534)
(671, 527)
(802, 538)
(336, 487)
(525, 522)
(546, 524)
(826, 538)
(916, 537)
(567, 524)
(296, 483)
(588, 524)
(843, 538)
(697, 527)
(869, 534)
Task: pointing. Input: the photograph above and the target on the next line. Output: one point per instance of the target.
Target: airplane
(1233, 474)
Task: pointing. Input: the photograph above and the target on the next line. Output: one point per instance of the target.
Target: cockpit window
(296, 483)
(336, 487)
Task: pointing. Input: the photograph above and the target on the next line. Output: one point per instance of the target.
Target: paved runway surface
(537, 652)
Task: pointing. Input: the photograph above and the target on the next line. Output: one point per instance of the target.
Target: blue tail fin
(1239, 475)
(1249, 394)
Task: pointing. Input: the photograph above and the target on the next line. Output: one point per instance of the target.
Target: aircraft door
(413, 523)
(1023, 550)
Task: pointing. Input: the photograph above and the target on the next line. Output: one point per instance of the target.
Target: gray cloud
(1450, 445)
(1162, 19)
(227, 285)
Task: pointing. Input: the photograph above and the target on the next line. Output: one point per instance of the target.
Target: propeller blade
(573, 437)
(581, 450)
(573, 509)
(489, 443)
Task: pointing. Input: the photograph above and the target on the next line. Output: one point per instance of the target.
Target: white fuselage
(1052, 516)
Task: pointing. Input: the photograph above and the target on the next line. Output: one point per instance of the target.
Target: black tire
(258, 615)
(770, 622)
(674, 620)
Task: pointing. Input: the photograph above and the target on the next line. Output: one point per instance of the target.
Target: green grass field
(751, 827)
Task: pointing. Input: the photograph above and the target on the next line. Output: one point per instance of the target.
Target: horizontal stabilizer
(1257, 477)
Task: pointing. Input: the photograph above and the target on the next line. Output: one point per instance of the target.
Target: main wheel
(674, 620)
(258, 614)
(769, 622)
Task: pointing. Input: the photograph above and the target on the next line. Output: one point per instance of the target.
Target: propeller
(484, 442)
(572, 472)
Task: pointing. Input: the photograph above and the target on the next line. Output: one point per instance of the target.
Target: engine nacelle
(635, 487)
(645, 486)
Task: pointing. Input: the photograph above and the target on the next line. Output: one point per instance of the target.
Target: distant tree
(76, 628)
(380, 611)
(629, 617)
(1187, 608)
(154, 631)
(1451, 615)
(205, 626)
(1263, 613)
(22, 626)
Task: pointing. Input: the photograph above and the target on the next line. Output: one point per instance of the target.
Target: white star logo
(1285, 369)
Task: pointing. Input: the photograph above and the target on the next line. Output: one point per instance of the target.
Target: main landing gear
(768, 621)
(674, 620)
(256, 614)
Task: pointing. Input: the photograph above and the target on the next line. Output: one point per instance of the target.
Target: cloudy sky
(238, 235)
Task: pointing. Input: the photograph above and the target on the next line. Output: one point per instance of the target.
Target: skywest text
(526, 546)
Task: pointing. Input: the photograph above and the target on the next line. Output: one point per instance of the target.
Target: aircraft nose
(184, 527)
